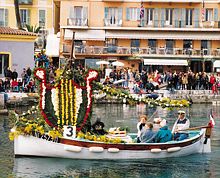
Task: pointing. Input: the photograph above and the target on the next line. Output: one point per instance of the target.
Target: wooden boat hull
(78, 149)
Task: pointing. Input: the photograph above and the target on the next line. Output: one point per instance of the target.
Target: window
(152, 44)
(3, 17)
(135, 44)
(4, 63)
(149, 16)
(112, 45)
(133, 14)
(78, 16)
(205, 46)
(42, 18)
(169, 46)
(25, 17)
(169, 16)
(208, 15)
(113, 16)
(189, 16)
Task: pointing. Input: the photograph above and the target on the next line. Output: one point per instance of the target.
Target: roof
(11, 31)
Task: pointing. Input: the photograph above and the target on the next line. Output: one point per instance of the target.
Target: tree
(34, 29)
(17, 14)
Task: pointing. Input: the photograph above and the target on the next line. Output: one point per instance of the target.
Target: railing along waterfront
(142, 51)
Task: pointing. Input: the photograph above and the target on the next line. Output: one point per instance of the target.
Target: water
(199, 165)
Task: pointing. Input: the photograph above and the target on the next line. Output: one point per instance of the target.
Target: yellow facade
(33, 7)
(167, 30)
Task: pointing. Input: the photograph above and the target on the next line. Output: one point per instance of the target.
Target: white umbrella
(117, 63)
(102, 62)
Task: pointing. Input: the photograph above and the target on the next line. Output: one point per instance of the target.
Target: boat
(85, 149)
(66, 108)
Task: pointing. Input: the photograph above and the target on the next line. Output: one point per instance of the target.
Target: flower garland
(71, 89)
(67, 102)
(62, 101)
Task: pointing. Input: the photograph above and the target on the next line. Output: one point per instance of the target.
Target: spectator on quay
(14, 85)
(29, 72)
(7, 84)
(24, 76)
(2, 86)
(8, 73)
(212, 80)
(14, 75)
(20, 85)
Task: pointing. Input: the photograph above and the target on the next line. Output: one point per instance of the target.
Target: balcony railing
(179, 24)
(113, 22)
(26, 2)
(95, 50)
(77, 21)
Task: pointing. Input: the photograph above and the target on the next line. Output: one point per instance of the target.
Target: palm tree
(17, 14)
(34, 29)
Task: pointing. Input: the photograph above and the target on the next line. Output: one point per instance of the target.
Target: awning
(53, 44)
(98, 35)
(180, 35)
(173, 62)
(216, 64)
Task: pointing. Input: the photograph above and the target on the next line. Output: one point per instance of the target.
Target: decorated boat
(60, 126)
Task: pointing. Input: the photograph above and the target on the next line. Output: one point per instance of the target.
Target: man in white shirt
(181, 124)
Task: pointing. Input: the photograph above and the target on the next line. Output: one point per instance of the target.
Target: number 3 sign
(69, 132)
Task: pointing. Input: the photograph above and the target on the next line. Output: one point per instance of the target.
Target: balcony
(113, 22)
(179, 24)
(154, 52)
(77, 21)
(25, 2)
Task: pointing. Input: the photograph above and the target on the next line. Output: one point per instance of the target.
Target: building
(33, 12)
(16, 49)
(152, 34)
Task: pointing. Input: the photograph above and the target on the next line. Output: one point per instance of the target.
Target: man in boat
(140, 126)
(147, 132)
(181, 124)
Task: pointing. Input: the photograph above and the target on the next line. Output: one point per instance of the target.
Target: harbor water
(198, 165)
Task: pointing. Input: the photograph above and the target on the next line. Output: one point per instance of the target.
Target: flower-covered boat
(62, 127)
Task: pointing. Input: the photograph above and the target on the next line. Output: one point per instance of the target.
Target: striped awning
(177, 35)
(173, 62)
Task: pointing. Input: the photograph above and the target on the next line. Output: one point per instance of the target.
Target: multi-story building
(32, 12)
(155, 34)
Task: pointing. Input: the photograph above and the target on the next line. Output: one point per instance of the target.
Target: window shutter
(119, 13)
(183, 18)
(162, 17)
(71, 12)
(85, 12)
(6, 17)
(106, 12)
(127, 13)
(176, 18)
(138, 13)
(28, 17)
(215, 14)
(156, 17)
(196, 17)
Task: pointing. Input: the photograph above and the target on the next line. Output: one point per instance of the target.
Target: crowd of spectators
(148, 82)
(12, 82)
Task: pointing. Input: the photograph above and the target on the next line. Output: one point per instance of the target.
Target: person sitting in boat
(156, 124)
(181, 124)
(140, 126)
(163, 135)
(98, 127)
(147, 132)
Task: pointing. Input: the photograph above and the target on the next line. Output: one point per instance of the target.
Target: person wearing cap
(163, 135)
(140, 126)
(181, 124)
(156, 124)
